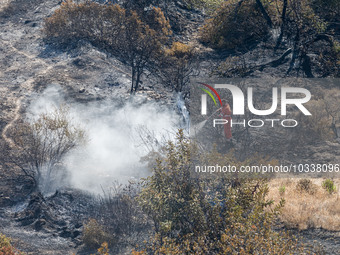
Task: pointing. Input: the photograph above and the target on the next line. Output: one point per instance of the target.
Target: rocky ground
(53, 225)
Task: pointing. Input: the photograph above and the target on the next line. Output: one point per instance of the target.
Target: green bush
(6, 247)
(194, 214)
(329, 186)
(282, 190)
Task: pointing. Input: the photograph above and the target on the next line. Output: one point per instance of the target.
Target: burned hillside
(97, 99)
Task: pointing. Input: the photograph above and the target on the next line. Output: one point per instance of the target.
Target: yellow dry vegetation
(303, 210)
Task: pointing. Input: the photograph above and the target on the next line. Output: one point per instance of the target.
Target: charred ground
(54, 224)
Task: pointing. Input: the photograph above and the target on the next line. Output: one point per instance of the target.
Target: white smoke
(118, 136)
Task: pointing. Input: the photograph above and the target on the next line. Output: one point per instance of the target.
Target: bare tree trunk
(335, 130)
(138, 75)
(295, 51)
(264, 13)
(283, 25)
(306, 65)
(133, 78)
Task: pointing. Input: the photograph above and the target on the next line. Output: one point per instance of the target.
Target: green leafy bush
(194, 214)
(329, 186)
(6, 247)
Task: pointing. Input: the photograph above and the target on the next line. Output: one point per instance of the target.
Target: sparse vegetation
(119, 214)
(324, 122)
(329, 186)
(41, 144)
(304, 210)
(282, 190)
(175, 210)
(316, 127)
(135, 39)
(233, 66)
(104, 249)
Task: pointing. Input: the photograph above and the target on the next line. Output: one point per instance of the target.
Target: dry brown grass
(304, 210)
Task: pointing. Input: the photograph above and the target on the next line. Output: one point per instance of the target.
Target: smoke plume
(118, 135)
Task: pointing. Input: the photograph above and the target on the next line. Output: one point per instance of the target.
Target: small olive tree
(41, 144)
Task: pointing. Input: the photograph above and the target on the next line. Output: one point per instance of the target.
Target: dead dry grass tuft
(303, 210)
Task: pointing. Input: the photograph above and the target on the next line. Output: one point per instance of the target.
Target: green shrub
(282, 190)
(6, 247)
(194, 214)
(329, 186)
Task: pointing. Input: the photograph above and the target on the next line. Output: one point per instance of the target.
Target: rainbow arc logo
(210, 94)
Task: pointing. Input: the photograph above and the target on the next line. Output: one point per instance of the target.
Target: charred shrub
(177, 65)
(134, 38)
(234, 24)
(306, 186)
(233, 66)
(39, 145)
(119, 215)
(328, 9)
(94, 235)
(18, 7)
(85, 21)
